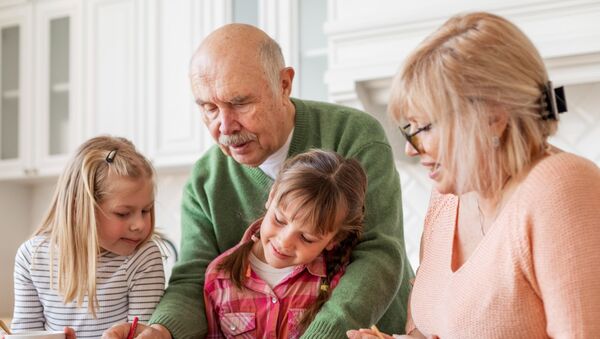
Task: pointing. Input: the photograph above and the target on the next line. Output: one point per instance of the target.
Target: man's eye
(210, 111)
(241, 107)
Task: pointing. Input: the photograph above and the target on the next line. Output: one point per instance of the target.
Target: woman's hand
(365, 333)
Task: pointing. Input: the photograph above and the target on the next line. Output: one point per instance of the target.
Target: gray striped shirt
(126, 286)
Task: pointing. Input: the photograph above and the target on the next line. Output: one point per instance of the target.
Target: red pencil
(132, 328)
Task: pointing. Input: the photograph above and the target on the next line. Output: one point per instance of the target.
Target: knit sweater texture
(222, 197)
(536, 272)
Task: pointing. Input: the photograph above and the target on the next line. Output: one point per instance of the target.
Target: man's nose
(228, 123)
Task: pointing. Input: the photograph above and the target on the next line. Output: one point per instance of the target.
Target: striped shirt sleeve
(146, 281)
(28, 310)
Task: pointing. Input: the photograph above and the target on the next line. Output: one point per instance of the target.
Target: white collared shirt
(272, 164)
(271, 275)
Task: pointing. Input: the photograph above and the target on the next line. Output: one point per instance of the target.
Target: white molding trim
(567, 33)
(8, 3)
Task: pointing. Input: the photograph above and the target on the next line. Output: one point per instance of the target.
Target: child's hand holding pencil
(131, 334)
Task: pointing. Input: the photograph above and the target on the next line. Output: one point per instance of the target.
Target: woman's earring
(495, 141)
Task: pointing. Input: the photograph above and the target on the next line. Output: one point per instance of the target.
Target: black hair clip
(111, 156)
(554, 101)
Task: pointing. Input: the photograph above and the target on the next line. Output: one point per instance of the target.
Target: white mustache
(236, 139)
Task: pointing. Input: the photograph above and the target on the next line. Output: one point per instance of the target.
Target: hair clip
(324, 287)
(255, 237)
(111, 156)
(554, 101)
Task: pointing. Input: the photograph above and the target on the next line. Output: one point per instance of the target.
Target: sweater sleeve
(375, 287)
(146, 281)
(563, 239)
(181, 309)
(28, 312)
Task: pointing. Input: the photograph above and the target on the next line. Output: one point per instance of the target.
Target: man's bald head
(234, 43)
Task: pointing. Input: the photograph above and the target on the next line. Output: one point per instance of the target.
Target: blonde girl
(91, 263)
(276, 280)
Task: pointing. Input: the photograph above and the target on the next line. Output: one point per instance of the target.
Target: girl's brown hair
(70, 223)
(325, 184)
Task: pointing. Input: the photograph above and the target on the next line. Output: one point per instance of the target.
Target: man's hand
(121, 331)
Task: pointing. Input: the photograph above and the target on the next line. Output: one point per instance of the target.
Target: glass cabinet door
(58, 86)
(57, 125)
(9, 105)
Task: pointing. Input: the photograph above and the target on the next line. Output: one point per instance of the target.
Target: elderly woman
(511, 243)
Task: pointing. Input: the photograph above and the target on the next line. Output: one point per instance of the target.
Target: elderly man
(242, 88)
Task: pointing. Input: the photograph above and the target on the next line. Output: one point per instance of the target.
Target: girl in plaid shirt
(274, 282)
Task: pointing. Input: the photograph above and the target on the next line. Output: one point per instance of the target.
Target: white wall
(14, 205)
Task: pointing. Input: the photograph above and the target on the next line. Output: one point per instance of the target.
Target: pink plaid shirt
(259, 311)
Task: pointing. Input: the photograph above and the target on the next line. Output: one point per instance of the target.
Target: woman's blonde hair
(325, 184)
(70, 223)
(473, 69)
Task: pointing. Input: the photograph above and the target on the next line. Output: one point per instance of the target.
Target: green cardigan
(222, 197)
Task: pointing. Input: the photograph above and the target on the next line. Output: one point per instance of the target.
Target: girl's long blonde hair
(472, 68)
(325, 184)
(70, 223)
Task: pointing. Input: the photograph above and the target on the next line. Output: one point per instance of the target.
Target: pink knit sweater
(535, 274)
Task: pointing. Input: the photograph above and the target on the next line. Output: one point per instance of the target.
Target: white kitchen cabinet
(114, 68)
(120, 67)
(15, 90)
(38, 112)
(57, 113)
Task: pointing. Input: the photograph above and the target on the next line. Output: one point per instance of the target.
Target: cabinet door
(114, 68)
(57, 90)
(15, 91)
(177, 137)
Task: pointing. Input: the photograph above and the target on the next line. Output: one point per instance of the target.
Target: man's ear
(287, 77)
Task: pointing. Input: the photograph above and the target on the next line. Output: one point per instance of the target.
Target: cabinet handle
(30, 171)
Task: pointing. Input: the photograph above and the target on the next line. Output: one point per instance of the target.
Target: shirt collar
(272, 164)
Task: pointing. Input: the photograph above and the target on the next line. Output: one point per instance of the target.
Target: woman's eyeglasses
(413, 138)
